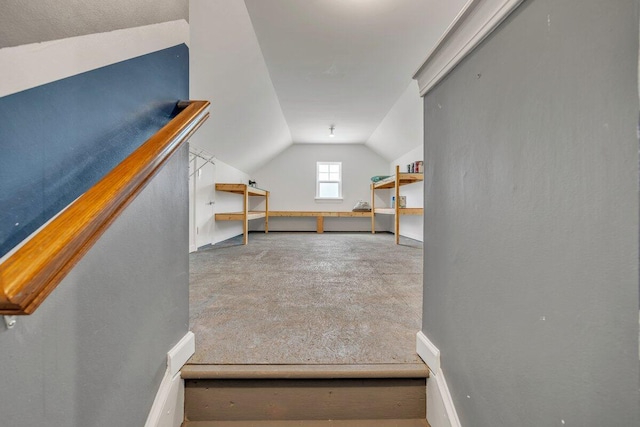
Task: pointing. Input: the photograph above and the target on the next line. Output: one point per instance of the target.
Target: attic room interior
(319, 213)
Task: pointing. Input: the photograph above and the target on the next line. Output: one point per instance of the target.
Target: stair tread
(312, 423)
(398, 370)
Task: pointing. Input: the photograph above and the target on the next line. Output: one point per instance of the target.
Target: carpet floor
(307, 298)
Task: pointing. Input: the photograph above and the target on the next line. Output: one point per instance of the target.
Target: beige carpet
(307, 298)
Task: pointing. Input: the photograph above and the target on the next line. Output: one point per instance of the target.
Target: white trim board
(168, 406)
(441, 410)
(428, 352)
(473, 24)
(27, 66)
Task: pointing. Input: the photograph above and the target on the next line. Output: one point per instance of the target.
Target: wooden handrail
(34, 270)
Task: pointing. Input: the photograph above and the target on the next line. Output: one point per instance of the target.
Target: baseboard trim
(473, 24)
(442, 411)
(180, 353)
(428, 352)
(168, 406)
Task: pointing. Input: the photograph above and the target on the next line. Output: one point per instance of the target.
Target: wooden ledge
(341, 214)
(35, 269)
(239, 216)
(405, 370)
(401, 211)
(240, 189)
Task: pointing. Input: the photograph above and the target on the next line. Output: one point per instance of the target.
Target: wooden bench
(320, 215)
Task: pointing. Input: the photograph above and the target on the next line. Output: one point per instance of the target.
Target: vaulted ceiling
(319, 63)
(344, 63)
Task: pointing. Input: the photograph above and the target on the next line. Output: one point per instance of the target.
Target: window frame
(318, 181)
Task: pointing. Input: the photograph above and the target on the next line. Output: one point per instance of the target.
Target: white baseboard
(168, 407)
(441, 411)
(428, 352)
(415, 236)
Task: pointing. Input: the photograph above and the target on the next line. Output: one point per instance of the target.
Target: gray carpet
(307, 298)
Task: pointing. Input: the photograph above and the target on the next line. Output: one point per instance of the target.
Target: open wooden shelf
(403, 179)
(239, 216)
(240, 189)
(401, 211)
(394, 182)
(246, 215)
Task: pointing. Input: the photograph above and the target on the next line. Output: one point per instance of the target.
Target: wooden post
(266, 214)
(245, 219)
(373, 210)
(320, 224)
(397, 219)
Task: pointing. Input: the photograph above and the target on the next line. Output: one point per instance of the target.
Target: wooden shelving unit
(394, 182)
(246, 215)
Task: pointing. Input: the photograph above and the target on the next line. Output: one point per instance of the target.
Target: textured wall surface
(94, 353)
(23, 22)
(60, 138)
(531, 222)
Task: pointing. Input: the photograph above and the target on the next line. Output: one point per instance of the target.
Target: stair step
(383, 395)
(311, 423)
(305, 399)
(408, 370)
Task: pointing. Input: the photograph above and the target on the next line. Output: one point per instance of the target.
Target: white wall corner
(441, 410)
(168, 406)
(473, 24)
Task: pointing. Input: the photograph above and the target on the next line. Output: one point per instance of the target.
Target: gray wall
(94, 353)
(531, 222)
(23, 22)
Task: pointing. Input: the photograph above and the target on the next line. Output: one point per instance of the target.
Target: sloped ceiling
(246, 127)
(24, 22)
(345, 62)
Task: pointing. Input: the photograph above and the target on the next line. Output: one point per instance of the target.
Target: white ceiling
(344, 62)
(23, 22)
(280, 72)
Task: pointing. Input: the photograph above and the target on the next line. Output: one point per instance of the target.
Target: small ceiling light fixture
(331, 134)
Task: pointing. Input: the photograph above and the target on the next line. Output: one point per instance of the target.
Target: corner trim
(474, 23)
(22, 66)
(428, 352)
(180, 353)
(168, 406)
(442, 411)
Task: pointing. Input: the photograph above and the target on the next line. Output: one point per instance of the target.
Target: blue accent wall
(59, 139)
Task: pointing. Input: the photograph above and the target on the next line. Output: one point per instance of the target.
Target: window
(329, 180)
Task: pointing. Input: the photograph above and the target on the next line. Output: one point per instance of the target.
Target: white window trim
(318, 182)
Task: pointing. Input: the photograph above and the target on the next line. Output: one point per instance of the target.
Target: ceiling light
(331, 129)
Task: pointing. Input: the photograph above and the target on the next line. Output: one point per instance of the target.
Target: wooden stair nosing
(311, 423)
(408, 370)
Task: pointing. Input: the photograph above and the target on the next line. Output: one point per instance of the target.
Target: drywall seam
(27, 66)
(473, 24)
(168, 406)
